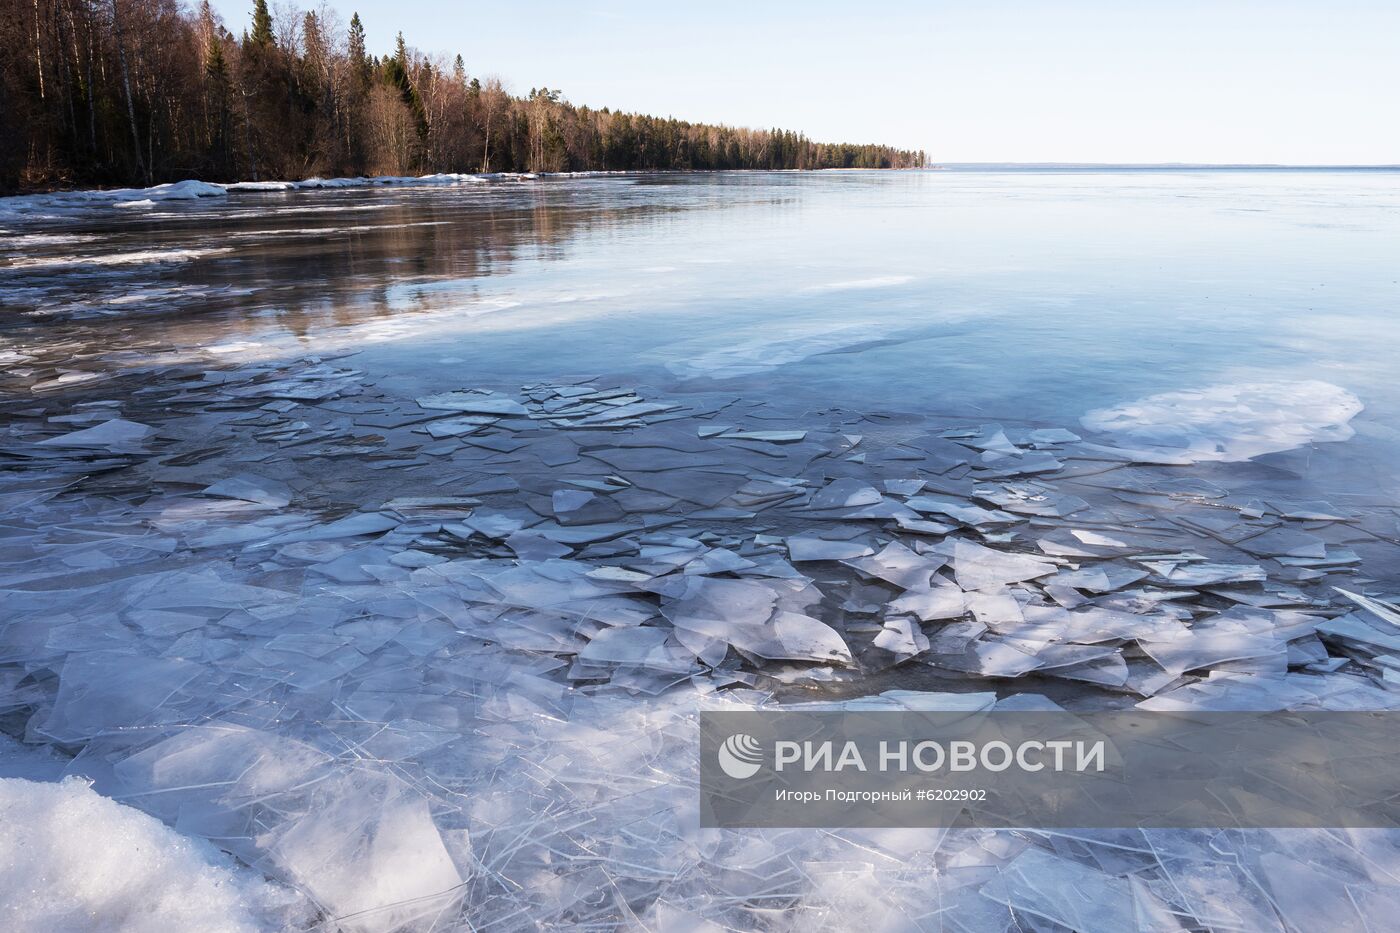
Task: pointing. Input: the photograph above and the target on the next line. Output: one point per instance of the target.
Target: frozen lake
(389, 538)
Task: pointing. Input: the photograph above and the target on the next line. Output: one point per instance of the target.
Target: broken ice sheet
(1076, 896)
(1211, 644)
(473, 403)
(902, 638)
(364, 523)
(1284, 542)
(749, 615)
(960, 512)
(116, 434)
(579, 507)
(898, 565)
(639, 646)
(1079, 542)
(1358, 631)
(456, 427)
(244, 765)
(844, 493)
(1203, 573)
(933, 602)
(772, 437)
(370, 852)
(989, 656)
(109, 690)
(1102, 578)
(248, 488)
(988, 437)
(812, 548)
(976, 567)
(1053, 436)
(1378, 608)
(1310, 510)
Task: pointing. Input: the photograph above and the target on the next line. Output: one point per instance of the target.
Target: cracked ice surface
(464, 690)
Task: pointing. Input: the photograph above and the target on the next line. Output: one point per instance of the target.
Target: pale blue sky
(975, 80)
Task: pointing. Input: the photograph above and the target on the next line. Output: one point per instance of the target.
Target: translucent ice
(115, 434)
(977, 567)
(268, 492)
(370, 852)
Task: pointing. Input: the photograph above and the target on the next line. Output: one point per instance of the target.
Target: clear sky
(1290, 81)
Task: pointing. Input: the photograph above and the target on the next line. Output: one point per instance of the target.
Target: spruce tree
(262, 25)
(359, 59)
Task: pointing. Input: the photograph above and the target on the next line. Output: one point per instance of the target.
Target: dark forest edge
(135, 92)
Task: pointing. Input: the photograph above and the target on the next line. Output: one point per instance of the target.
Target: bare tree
(126, 88)
(494, 104)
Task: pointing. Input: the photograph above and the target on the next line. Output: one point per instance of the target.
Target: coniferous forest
(125, 92)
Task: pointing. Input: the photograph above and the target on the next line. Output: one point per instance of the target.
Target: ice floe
(1231, 422)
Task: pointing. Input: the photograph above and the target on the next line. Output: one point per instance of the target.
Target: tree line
(145, 91)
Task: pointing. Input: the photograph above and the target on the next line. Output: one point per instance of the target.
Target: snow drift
(72, 860)
(74, 203)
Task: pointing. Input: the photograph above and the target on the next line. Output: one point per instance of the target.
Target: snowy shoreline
(28, 204)
(67, 202)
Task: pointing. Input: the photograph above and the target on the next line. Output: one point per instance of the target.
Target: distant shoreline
(381, 181)
(1150, 167)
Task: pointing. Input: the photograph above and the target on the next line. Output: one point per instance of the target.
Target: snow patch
(71, 203)
(1231, 422)
(66, 203)
(137, 258)
(72, 860)
(45, 239)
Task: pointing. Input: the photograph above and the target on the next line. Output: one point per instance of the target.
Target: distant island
(112, 93)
